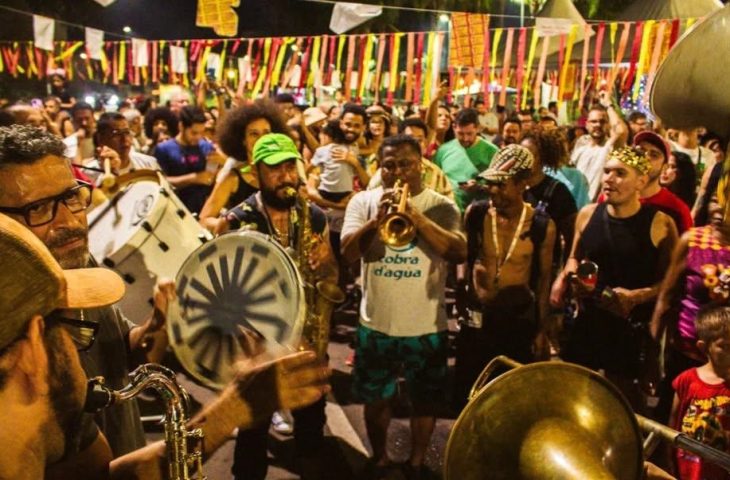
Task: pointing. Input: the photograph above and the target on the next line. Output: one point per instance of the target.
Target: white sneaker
(283, 422)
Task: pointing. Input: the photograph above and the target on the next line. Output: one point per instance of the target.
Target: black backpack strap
(474, 225)
(538, 232)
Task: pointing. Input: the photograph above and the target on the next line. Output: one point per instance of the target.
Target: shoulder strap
(474, 225)
(537, 233)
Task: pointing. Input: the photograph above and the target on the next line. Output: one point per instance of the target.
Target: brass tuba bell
(689, 89)
(554, 421)
(397, 229)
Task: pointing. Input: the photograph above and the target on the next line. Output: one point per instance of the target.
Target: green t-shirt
(462, 164)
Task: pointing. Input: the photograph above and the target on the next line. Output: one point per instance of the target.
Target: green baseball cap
(275, 148)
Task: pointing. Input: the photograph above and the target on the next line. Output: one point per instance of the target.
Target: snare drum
(241, 280)
(143, 233)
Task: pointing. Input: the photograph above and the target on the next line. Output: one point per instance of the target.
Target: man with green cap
(274, 211)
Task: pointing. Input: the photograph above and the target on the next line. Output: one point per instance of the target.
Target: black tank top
(622, 248)
(244, 191)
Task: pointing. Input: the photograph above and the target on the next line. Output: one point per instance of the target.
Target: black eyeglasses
(121, 133)
(82, 332)
(43, 211)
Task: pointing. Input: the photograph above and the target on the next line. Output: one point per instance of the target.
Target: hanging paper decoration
(466, 46)
(218, 15)
(140, 55)
(43, 32)
(94, 43)
(643, 57)
(371, 65)
(178, 60)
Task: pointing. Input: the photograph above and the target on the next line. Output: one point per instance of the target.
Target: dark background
(175, 19)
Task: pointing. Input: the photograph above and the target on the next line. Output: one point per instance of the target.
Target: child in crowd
(702, 397)
(336, 175)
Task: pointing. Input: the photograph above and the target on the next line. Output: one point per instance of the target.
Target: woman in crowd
(378, 128)
(548, 147)
(160, 124)
(680, 177)
(237, 135)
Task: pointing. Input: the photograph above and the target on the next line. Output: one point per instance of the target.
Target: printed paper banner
(140, 55)
(548, 27)
(178, 60)
(244, 68)
(94, 43)
(220, 15)
(466, 41)
(43, 32)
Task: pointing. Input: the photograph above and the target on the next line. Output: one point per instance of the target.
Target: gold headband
(631, 157)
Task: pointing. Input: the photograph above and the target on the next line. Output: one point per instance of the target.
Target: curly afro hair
(552, 146)
(25, 145)
(160, 113)
(232, 130)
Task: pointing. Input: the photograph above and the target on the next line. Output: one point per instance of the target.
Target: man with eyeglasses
(43, 387)
(42, 384)
(37, 188)
(606, 131)
(113, 140)
(413, 276)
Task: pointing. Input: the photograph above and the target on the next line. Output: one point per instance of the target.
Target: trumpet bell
(397, 230)
(576, 426)
(689, 88)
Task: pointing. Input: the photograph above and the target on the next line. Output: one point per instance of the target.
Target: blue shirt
(176, 160)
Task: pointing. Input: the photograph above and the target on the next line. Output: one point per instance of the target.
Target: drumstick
(108, 180)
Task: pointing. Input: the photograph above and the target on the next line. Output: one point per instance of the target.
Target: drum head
(243, 280)
(114, 223)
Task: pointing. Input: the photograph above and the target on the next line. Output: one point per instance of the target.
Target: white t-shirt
(137, 161)
(589, 160)
(403, 292)
(335, 177)
(701, 154)
(489, 120)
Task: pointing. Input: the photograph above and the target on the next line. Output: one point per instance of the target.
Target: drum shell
(147, 236)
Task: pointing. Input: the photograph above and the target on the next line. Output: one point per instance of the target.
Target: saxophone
(320, 295)
(181, 463)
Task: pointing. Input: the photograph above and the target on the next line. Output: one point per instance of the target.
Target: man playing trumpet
(402, 314)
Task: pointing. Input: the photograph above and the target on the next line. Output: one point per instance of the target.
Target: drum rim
(296, 327)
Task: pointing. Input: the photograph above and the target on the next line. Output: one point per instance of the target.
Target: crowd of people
(593, 242)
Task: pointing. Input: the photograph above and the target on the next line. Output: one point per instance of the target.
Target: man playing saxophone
(43, 387)
(402, 315)
(299, 226)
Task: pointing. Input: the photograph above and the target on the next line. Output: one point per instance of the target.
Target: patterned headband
(633, 158)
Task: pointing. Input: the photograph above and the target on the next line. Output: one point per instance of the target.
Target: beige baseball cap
(33, 283)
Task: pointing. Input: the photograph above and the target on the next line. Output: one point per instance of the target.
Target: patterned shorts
(380, 359)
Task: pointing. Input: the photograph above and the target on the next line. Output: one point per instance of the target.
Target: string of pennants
(574, 59)
(379, 67)
(385, 67)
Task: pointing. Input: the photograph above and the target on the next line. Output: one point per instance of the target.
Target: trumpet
(397, 229)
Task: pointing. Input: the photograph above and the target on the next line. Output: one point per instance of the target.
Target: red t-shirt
(668, 203)
(703, 415)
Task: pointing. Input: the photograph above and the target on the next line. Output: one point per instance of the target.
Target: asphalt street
(347, 448)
